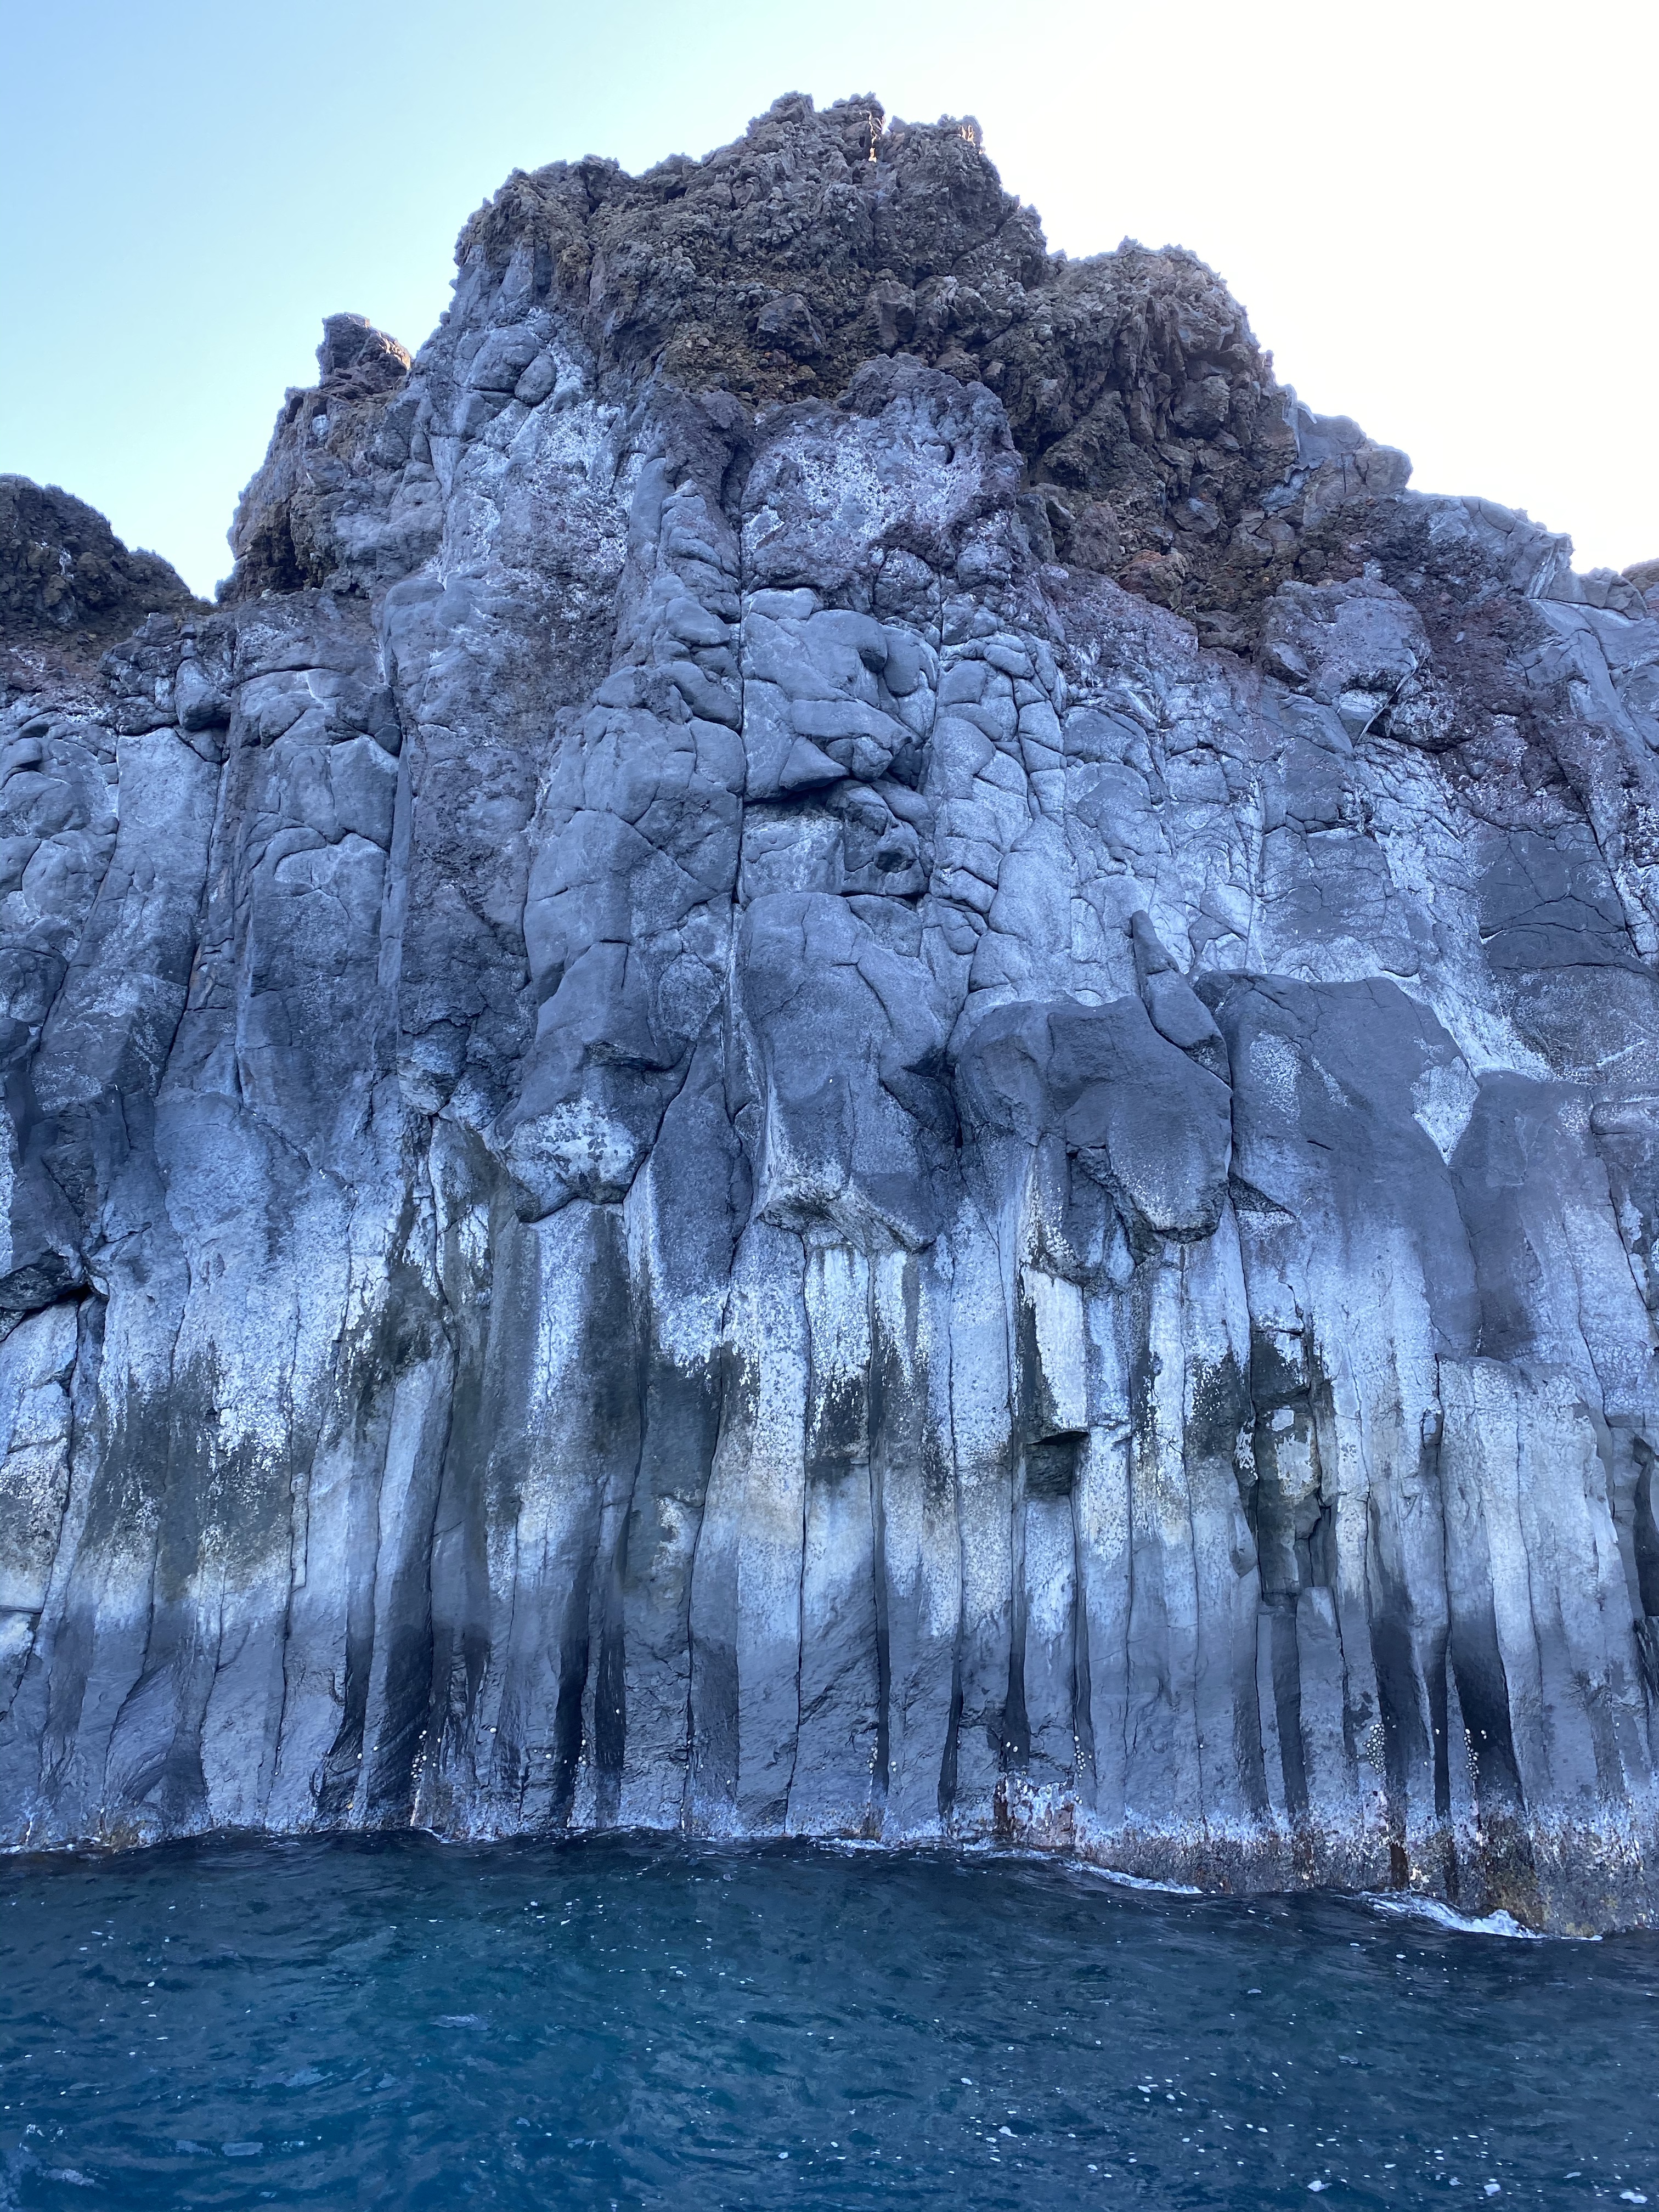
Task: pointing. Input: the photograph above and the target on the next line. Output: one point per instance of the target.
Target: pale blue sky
(1441, 216)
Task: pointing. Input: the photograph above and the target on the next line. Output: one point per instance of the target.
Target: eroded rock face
(706, 1129)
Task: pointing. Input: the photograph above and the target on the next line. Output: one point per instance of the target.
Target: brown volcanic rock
(67, 582)
(1158, 447)
(281, 534)
(1147, 415)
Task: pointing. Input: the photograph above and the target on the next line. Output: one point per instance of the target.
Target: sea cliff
(859, 1053)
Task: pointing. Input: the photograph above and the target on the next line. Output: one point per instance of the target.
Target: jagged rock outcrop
(860, 1053)
(68, 587)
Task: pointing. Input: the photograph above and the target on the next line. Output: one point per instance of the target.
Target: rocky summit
(857, 1054)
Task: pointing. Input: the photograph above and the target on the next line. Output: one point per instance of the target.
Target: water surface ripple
(393, 2022)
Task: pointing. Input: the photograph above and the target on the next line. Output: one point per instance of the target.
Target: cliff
(860, 1053)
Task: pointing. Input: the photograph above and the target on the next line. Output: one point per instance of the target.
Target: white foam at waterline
(1031, 1855)
(1134, 1881)
(1431, 1908)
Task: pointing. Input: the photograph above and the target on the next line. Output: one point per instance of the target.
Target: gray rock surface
(859, 1053)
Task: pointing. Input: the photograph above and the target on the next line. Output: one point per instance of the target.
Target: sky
(1444, 218)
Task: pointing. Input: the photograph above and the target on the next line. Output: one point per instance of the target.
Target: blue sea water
(618, 2023)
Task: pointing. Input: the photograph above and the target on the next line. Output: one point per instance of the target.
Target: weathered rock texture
(860, 1053)
(69, 587)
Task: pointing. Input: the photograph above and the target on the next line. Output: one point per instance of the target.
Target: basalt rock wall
(859, 1053)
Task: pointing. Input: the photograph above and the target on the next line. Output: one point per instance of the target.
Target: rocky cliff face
(860, 1053)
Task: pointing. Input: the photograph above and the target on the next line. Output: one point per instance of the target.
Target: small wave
(1031, 1855)
(1461, 1923)
(1134, 1881)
